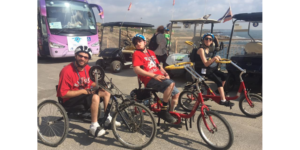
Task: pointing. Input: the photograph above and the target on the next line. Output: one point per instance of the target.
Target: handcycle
(212, 127)
(249, 103)
(53, 128)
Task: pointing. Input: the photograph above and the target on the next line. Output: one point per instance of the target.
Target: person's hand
(167, 76)
(159, 77)
(90, 91)
(217, 58)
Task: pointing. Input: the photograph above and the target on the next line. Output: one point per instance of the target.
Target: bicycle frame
(156, 107)
(210, 94)
(114, 100)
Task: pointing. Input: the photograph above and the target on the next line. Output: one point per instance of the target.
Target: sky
(159, 12)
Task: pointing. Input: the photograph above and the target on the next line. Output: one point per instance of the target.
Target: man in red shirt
(74, 87)
(146, 66)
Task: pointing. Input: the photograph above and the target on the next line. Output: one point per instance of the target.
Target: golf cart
(183, 55)
(121, 54)
(251, 60)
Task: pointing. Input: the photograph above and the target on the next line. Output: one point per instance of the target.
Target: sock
(224, 100)
(165, 104)
(109, 117)
(95, 124)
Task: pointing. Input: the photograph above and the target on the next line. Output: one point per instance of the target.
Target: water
(256, 34)
(237, 47)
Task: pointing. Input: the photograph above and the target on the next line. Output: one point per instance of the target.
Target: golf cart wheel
(116, 66)
(100, 63)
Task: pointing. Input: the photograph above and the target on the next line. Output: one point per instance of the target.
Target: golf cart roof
(127, 24)
(250, 17)
(200, 20)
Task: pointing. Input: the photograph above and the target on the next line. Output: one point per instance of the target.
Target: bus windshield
(69, 17)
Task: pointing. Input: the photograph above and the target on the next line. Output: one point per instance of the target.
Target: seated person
(154, 76)
(77, 20)
(74, 88)
(209, 68)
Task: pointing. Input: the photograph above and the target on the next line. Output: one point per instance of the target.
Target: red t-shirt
(143, 59)
(69, 80)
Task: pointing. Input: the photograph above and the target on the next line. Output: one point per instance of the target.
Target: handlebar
(224, 61)
(179, 66)
(190, 43)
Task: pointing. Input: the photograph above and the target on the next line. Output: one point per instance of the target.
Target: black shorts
(215, 75)
(84, 99)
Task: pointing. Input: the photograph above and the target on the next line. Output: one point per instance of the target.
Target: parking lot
(247, 131)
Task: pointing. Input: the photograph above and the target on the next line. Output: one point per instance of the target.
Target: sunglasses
(83, 56)
(210, 39)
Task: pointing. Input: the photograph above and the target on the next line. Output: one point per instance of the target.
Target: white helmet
(84, 49)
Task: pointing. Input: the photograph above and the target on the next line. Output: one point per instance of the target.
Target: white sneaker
(93, 130)
(108, 121)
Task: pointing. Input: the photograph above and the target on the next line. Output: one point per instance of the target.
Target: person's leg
(93, 101)
(168, 92)
(164, 58)
(222, 75)
(166, 87)
(214, 78)
(175, 96)
(106, 96)
(94, 108)
(223, 101)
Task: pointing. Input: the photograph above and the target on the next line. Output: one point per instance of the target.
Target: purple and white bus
(65, 24)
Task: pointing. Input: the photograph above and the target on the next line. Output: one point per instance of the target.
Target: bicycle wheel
(221, 136)
(247, 109)
(187, 100)
(138, 128)
(53, 123)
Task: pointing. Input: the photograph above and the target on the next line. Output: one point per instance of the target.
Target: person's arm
(164, 72)
(65, 84)
(206, 62)
(138, 70)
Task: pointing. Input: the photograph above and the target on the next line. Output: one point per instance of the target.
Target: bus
(65, 24)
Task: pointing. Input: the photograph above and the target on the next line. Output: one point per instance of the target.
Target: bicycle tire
(205, 136)
(256, 105)
(65, 119)
(187, 106)
(121, 139)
